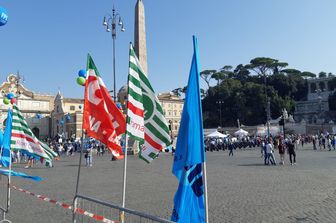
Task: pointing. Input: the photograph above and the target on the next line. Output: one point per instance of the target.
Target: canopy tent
(241, 133)
(262, 131)
(217, 135)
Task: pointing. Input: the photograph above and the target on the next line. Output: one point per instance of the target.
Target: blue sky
(47, 41)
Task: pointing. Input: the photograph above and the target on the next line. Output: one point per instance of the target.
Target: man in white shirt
(269, 151)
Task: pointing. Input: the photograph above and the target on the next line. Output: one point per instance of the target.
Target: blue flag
(189, 154)
(19, 174)
(1, 138)
(6, 153)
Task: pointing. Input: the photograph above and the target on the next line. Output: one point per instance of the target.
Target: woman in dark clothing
(291, 152)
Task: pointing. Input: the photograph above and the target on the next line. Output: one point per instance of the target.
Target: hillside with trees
(241, 92)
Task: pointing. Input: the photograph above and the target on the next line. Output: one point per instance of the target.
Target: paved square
(241, 188)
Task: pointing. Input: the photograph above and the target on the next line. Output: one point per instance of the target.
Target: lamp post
(220, 102)
(319, 98)
(268, 110)
(110, 22)
(171, 128)
(283, 121)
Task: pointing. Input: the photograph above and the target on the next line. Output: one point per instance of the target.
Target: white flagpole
(205, 193)
(124, 181)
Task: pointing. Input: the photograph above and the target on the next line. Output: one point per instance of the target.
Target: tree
(306, 74)
(218, 76)
(241, 73)
(178, 92)
(206, 75)
(322, 74)
(264, 66)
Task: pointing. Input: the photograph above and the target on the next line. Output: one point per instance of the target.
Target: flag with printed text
(102, 118)
(145, 119)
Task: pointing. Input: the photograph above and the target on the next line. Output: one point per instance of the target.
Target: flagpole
(78, 175)
(124, 181)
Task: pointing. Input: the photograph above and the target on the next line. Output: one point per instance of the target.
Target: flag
(102, 118)
(6, 153)
(24, 140)
(189, 154)
(1, 138)
(145, 119)
(19, 174)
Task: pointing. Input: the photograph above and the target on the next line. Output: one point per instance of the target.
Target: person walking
(269, 151)
(88, 155)
(231, 147)
(291, 152)
(281, 149)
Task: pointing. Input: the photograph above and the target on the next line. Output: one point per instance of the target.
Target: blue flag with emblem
(189, 154)
(6, 153)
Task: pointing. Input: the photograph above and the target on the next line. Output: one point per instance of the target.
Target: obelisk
(140, 35)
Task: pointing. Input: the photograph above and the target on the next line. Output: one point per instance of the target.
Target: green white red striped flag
(145, 120)
(24, 140)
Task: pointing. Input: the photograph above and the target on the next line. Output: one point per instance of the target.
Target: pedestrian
(231, 147)
(281, 149)
(30, 162)
(269, 151)
(291, 152)
(88, 155)
(314, 143)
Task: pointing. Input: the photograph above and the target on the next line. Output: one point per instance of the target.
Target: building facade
(314, 109)
(67, 117)
(172, 107)
(47, 115)
(34, 107)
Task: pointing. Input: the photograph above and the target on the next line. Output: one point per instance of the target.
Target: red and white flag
(102, 118)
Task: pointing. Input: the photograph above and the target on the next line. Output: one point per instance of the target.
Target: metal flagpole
(78, 175)
(205, 193)
(124, 181)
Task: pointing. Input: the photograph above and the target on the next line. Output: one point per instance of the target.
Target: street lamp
(319, 98)
(171, 128)
(220, 102)
(283, 121)
(268, 110)
(110, 22)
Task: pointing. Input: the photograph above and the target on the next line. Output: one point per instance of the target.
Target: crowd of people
(268, 146)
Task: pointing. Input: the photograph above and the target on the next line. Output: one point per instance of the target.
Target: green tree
(206, 75)
(322, 74)
(307, 74)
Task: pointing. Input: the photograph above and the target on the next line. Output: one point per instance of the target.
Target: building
(47, 115)
(67, 117)
(36, 108)
(314, 110)
(172, 107)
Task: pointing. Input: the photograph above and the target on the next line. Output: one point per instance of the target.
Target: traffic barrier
(89, 215)
(111, 211)
(4, 197)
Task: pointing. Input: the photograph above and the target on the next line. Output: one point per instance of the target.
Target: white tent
(241, 133)
(217, 135)
(262, 131)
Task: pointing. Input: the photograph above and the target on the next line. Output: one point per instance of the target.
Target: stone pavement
(241, 188)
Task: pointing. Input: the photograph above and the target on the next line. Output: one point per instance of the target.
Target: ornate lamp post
(220, 102)
(171, 128)
(110, 22)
